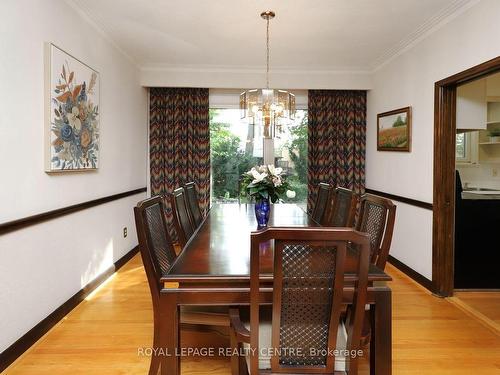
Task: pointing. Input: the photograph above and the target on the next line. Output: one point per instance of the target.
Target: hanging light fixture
(268, 107)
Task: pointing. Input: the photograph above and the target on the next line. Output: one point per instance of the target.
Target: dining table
(213, 269)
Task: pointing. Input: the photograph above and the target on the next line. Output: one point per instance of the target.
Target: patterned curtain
(179, 141)
(337, 138)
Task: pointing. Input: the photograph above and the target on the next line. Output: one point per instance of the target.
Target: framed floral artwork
(394, 130)
(72, 90)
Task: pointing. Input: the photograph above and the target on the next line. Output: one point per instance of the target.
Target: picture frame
(72, 113)
(394, 130)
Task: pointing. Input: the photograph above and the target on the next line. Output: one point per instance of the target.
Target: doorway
(445, 96)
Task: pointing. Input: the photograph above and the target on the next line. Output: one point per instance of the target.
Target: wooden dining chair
(157, 253)
(308, 290)
(342, 208)
(322, 199)
(193, 203)
(377, 217)
(182, 218)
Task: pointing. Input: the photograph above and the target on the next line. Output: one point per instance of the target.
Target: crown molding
(427, 28)
(83, 10)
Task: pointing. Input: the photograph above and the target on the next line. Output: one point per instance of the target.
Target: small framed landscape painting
(394, 130)
(71, 113)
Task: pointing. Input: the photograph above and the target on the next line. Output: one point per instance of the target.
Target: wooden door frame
(444, 173)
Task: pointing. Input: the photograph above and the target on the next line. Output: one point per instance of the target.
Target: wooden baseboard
(411, 273)
(469, 310)
(10, 354)
(475, 290)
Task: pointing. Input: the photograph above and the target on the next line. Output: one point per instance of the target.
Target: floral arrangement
(266, 182)
(75, 125)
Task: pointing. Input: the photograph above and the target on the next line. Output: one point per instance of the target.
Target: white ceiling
(314, 35)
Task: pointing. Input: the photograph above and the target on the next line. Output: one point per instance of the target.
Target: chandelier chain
(267, 51)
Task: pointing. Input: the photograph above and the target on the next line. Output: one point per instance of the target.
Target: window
(234, 150)
(290, 152)
(461, 147)
(466, 147)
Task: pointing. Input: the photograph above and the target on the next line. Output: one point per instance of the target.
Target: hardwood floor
(485, 304)
(103, 334)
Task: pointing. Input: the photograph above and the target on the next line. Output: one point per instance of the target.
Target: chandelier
(268, 107)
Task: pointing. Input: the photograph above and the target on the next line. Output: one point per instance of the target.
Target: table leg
(381, 336)
(169, 332)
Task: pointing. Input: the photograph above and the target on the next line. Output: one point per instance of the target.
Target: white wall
(408, 80)
(44, 265)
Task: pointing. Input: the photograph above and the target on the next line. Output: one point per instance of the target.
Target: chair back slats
(308, 285)
(182, 218)
(377, 216)
(343, 208)
(156, 247)
(193, 203)
(322, 201)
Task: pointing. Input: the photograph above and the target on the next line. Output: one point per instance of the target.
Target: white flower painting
(72, 113)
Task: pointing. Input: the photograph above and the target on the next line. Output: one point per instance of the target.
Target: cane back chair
(377, 217)
(322, 201)
(342, 212)
(182, 217)
(308, 290)
(157, 253)
(193, 203)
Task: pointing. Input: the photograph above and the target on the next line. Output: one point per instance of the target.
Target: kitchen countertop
(481, 194)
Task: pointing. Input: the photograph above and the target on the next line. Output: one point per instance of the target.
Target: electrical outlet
(494, 172)
(125, 233)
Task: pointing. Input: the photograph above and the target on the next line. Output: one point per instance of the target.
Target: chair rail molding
(11, 226)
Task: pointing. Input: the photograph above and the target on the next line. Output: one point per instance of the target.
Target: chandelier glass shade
(270, 108)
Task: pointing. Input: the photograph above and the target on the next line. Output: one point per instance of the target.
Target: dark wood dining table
(214, 269)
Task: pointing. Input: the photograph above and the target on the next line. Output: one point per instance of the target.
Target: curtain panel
(337, 139)
(179, 141)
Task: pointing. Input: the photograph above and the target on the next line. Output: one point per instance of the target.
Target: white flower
(274, 171)
(257, 177)
(251, 171)
(73, 120)
(290, 194)
(263, 168)
(277, 181)
(271, 170)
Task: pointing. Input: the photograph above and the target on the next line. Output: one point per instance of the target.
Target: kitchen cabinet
(493, 99)
(493, 86)
(472, 106)
(489, 143)
(493, 113)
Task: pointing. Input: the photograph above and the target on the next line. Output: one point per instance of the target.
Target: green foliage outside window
(228, 161)
(297, 149)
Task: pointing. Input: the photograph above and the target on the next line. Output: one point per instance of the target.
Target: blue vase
(262, 210)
